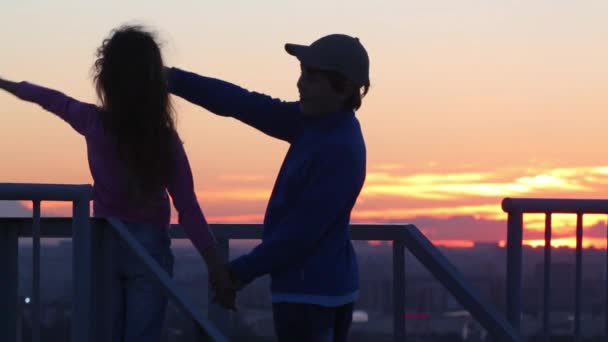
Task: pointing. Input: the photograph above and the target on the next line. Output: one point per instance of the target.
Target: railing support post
(578, 283)
(36, 302)
(9, 296)
(82, 299)
(102, 245)
(399, 291)
(514, 273)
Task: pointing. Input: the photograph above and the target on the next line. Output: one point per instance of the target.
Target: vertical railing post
(547, 279)
(81, 263)
(578, 291)
(219, 316)
(514, 264)
(399, 332)
(36, 304)
(9, 272)
(606, 288)
(102, 280)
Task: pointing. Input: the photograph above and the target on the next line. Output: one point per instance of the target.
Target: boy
(306, 246)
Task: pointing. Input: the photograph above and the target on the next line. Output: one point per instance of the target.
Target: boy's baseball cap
(335, 52)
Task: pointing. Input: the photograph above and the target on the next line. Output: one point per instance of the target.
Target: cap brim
(302, 53)
(295, 49)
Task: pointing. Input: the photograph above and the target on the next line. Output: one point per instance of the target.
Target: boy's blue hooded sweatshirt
(306, 246)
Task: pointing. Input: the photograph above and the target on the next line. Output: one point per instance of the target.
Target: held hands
(220, 279)
(224, 285)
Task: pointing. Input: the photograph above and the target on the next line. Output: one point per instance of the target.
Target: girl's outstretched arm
(80, 115)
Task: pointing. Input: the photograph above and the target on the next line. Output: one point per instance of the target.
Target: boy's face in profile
(317, 96)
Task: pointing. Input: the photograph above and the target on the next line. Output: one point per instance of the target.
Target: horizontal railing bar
(60, 227)
(363, 232)
(555, 205)
(54, 227)
(44, 192)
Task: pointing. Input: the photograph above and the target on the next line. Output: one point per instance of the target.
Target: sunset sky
(471, 102)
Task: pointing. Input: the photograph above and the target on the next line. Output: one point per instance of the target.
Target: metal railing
(516, 208)
(79, 195)
(402, 237)
(395, 233)
(92, 243)
(91, 251)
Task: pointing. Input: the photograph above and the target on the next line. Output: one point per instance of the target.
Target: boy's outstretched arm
(8, 86)
(274, 117)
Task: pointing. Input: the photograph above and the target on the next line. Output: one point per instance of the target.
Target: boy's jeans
(295, 322)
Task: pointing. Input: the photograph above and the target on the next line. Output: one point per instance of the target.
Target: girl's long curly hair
(136, 111)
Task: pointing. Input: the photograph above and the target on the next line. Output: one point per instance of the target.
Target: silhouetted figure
(135, 157)
(306, 246)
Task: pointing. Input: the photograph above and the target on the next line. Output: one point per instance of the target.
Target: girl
(135, 157)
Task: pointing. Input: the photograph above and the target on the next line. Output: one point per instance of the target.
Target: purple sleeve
(81, 116)
(181, 189)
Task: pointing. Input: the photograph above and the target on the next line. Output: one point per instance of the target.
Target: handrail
(90, 251)
(555, 205)
(407, 235)
(403, 236)
(80, 196)
(516, 208)
(46, 192)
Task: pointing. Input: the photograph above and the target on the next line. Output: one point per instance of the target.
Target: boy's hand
(225, 290)
(7, 85)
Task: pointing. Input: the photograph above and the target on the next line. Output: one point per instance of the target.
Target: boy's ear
(350, 87)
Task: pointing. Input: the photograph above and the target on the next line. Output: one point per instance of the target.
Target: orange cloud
(251, 218)
(560, 223)
(454, 185)
(492, 211)
(241, 178)
(434, 201)
(589, 242)
(455, 192)
(51, 208)
(230, 196)
(454, 243)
